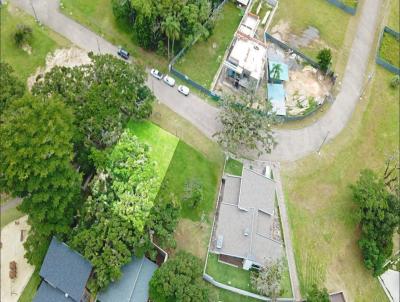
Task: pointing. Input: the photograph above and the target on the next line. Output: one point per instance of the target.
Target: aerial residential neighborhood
(200, 150)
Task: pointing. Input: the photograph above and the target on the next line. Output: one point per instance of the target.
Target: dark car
(123, 53)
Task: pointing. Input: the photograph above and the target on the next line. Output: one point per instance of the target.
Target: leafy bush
(395, 82)
(324, 59)
(11, 87)
(193, 193)
(23, 35)
(317, 295)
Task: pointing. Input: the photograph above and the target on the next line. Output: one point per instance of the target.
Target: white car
(169, 80)
(183, 89)
(155, 73)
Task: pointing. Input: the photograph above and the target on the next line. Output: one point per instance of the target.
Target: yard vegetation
(202, 60)
(390, 49)
(233, 167)
(320, 205)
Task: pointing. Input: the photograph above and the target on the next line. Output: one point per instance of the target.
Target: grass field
(233, 167)
(9, 216)
(43, 42)
(320, 206)
(394, 15)
(320, 14)
(98, 16)
(30, 289)
(202, 60)
(390, 49)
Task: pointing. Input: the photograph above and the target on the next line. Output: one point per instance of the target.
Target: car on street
(183, 89)
(157, 74)
(123, 53)
(169, 80)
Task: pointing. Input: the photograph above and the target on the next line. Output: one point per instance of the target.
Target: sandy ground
(68, 57)
(13, 250)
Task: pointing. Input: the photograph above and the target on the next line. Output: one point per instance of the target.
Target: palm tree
(171, 29)
(276, 71)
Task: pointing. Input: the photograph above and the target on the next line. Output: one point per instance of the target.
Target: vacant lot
(98, 16)
(202, 60)
(330, 21)
(390, 49)
(43, 42)
(321, 210)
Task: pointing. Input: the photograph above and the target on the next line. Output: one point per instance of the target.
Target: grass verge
(30, 289)
(202, 60)
(320, 207)
(43, 42)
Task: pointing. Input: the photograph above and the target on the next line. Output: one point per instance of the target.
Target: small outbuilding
(277, 71)
(134, 283)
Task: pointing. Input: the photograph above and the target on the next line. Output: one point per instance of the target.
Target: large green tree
(379, 214)
(178, 280)
(103, 95)
(114, 220)
(36, 153)
(11, 87)
(246, 124)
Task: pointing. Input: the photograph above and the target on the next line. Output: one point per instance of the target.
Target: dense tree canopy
(114, 219)
(36, 152)
(166, 20)
(178, 280)
(379, 213)
(246, 124)
(11, 87)
(103, 95)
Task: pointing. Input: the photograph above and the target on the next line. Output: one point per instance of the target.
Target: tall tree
(268, 280)
(11, 87)
(379, 214)
(179, 279)
(36, 153)
(171, 29)
(103, 95)
(246, 124)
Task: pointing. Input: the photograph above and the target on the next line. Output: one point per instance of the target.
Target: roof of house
(284, 74)
(47, 293)
(65, 269)
(249, 24)
(134, 284)
(249, 55)
(276, 95)
(246, 226)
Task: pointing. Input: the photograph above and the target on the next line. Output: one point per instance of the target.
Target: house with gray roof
(244, 227)
(64, 274)
(134, 284)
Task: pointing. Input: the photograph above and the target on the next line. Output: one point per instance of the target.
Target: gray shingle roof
(47, 293)
(65, 269)
(133, 285)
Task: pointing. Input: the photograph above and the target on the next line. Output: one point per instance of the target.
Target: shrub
(23, 35)
(395, 82)
(317, 295)
(324, 59)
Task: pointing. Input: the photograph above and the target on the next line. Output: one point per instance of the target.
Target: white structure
(249, 25)
(390, 281)
(246, 62)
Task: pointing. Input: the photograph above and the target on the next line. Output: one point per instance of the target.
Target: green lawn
(30, 289)
(318, 196)
(9, 216)
(390, 49)
(351, 3)
(394, 16)
(233, 167)
(162, 144)
(98, 16)
(202, 60)
(317, 13)
(43, 42)
(188, 164)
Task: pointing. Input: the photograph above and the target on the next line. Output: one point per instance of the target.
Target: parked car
(169, 80)
(183, 89)
(123, 53)
(155, 73)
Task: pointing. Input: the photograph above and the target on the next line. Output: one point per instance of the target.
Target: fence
(382, 62)
(348, 9)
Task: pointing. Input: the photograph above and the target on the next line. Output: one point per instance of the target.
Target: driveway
(292, 144)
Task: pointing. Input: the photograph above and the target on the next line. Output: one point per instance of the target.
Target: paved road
(292, 144)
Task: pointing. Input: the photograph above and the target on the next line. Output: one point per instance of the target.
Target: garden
(390, 49)
(202, 60)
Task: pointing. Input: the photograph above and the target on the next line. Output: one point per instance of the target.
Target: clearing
(202, 60)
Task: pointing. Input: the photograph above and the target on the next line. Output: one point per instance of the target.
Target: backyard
(202, 60)
(43, 42)
(233, 167)
(319, 201)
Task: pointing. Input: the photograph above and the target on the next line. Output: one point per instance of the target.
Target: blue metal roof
(284, 74)
(47, 293)
(134, 284)
(276, 95)
(65, 269)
